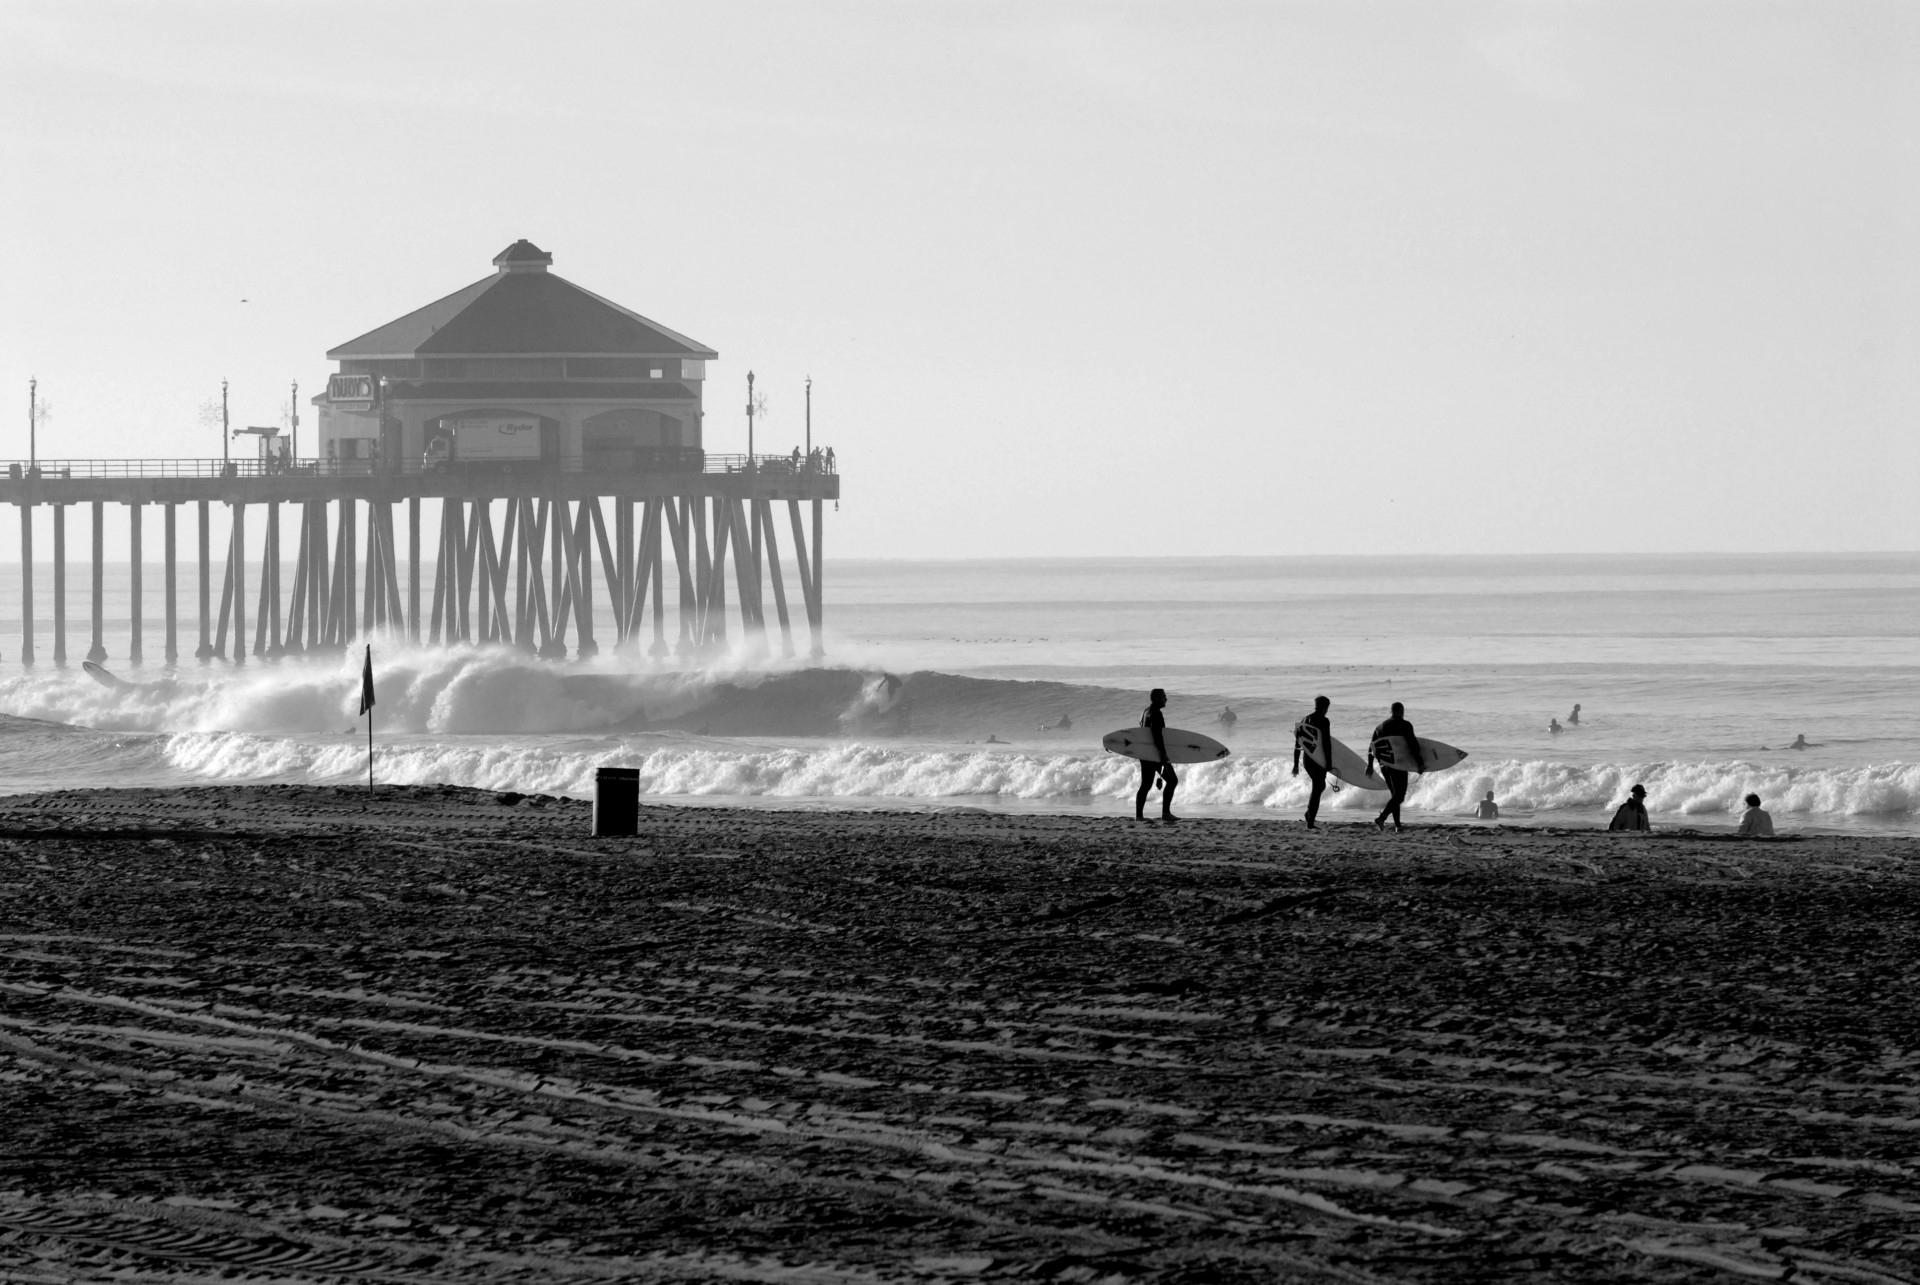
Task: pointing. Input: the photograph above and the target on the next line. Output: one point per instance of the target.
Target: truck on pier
(494, 444)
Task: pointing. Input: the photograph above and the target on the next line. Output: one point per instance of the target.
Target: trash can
(616, 800)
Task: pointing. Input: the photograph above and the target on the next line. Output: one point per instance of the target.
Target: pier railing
(665, 460)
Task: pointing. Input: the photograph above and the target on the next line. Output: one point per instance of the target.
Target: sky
(1069, 279)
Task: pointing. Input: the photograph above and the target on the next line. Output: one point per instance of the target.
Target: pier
(309, 559)
(559, 440)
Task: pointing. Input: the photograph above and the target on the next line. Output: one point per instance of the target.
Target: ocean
(1694, 674)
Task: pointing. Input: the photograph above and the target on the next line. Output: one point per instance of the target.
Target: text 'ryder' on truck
(482, 443)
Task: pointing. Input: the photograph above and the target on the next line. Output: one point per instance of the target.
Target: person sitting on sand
(1573, 719)
(1154, 720)
(1632, 815)
(1757, 823)
(1489, 810)
(1553, 725)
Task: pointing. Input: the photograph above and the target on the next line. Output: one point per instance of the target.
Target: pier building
(561, 439)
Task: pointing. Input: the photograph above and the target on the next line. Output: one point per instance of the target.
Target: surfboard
(1345, 765)
(104, 676)
(1182, 746)
(1436, 756)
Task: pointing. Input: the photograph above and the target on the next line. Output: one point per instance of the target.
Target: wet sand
(282, 1034)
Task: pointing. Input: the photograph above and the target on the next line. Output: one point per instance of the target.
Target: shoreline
(437, 1036)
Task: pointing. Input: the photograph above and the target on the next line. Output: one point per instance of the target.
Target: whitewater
(1694, 673)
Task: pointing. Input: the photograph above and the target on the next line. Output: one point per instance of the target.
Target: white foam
(856, 770)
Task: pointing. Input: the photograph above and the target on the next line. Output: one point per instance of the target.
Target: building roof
(522, 311)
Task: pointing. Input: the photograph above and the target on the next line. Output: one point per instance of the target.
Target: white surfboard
(104, 676)
(1392, 751)
(1182, 746)
(1342, 765)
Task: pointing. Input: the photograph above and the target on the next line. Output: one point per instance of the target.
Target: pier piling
(136, 568)
(26, 584)
(98, 651)
(170, 585)
(204, 652)
(59, 584)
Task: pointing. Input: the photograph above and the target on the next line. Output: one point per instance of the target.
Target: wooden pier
(323, 552)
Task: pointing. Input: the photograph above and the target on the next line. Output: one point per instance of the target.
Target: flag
(366, 683)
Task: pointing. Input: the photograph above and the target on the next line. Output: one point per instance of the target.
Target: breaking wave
(478, 690)
(499, 719)
(877, 772)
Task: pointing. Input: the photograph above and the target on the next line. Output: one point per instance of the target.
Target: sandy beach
(282, 1033)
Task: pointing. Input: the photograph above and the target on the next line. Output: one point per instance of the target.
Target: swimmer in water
(1489, 810)
(1228, 718)
(1573, 719)
(1802, 743)
(993, 740)
(1553, 725)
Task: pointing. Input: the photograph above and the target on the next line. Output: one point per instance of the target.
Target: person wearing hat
(1633, 813)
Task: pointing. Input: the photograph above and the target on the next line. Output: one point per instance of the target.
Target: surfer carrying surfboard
(1314, 732)
(1156, 723)
(1395, 725)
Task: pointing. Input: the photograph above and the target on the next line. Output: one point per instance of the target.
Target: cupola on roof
(523, 256)
(522, 310)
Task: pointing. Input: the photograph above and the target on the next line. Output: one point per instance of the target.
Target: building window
(515, 368)
(609, 367)
(391, 369)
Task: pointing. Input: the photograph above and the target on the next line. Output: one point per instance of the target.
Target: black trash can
(616, 800)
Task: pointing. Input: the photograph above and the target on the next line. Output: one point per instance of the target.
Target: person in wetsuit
(1314, 728)
(1396, 778)
(1156, 722)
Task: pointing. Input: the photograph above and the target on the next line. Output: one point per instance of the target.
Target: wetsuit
(1303, 740)
(1395, 778)
(1154, 720)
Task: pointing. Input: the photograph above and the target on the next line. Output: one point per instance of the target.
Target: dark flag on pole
(366, 707)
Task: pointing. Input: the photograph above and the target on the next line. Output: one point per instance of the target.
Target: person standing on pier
(1314, 732)
(1395, 725)
(1155, 721)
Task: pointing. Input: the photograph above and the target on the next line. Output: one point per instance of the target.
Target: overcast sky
(1069, 278)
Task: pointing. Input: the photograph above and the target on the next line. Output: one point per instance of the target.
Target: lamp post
(225, 454)
(809, 417)
(33, 421)
(293, 427)
(749, 421)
